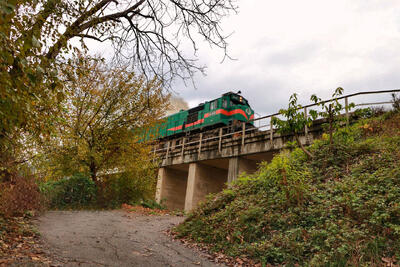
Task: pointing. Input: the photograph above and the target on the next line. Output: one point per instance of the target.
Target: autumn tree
(27, 94)
(101, 112)
(36, 35)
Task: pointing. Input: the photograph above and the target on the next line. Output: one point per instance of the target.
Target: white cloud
(310, 46)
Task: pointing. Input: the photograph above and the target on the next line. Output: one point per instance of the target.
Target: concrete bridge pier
(183, 186)
(238, 165)
(171, 187)
(203, 180)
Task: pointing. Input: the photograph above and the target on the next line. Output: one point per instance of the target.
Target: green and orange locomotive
(227, 110)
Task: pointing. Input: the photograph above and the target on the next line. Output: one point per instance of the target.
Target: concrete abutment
(184, 186)
(203, 180)
(238, 165)
(171, 187)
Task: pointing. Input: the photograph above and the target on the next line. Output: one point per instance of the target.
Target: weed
(340, 208)
(396, 102)
(152, 204)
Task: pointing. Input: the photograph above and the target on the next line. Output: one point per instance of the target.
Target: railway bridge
(192, 167)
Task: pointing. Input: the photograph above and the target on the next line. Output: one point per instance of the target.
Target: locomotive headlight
(241, 99)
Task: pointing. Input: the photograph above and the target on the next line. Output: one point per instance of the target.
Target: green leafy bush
(75, 191)
(152, 204)
(340, 208)
(128, 187)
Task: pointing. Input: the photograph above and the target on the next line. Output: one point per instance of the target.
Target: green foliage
(152, 204)
(288, 173)
(100, 110)
(341, 208)
(29, 88)
(95, 136)
(295, 122)
(37, 61)
(35, 45)
(331, 110)
(291, 145)
(70, 192)
(296, 119)
(79, 190)
(364, 113)
(127, 187)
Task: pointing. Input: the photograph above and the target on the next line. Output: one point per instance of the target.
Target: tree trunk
(285, 184)
(93, 171)
(308, 153)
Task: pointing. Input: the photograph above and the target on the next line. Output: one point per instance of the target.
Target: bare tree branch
(149, 33)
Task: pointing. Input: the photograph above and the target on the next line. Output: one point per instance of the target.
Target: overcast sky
(308, 46)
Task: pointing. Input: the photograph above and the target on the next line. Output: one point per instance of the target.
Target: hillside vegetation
(341, 208)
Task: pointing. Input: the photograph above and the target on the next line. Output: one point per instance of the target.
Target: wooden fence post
(201, 138)
(167, 149)
(271, 133)
(183, 146)
(243, 132)
(305, 116)
(346, 105)
(220, 140)
(306, 127)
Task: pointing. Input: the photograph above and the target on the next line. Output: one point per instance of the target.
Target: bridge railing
(264, 124)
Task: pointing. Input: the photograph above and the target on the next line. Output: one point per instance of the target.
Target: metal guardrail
(268, 126)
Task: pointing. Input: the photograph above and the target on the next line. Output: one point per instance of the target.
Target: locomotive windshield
(238, 100)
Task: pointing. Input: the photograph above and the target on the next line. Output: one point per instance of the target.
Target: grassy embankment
(341, 208)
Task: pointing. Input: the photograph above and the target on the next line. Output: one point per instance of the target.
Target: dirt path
(114, 238)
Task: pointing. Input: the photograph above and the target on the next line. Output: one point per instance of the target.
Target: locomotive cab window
(238, 101)
(214, 104)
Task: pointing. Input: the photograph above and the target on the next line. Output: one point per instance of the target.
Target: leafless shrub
(18, 195)
(377, 110)
(396, 102)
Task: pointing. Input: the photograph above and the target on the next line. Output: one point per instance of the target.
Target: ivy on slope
(340, 209)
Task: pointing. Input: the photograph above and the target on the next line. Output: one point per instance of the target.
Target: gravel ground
(114, 238)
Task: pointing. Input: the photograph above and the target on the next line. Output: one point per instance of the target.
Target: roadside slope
(342, 208)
